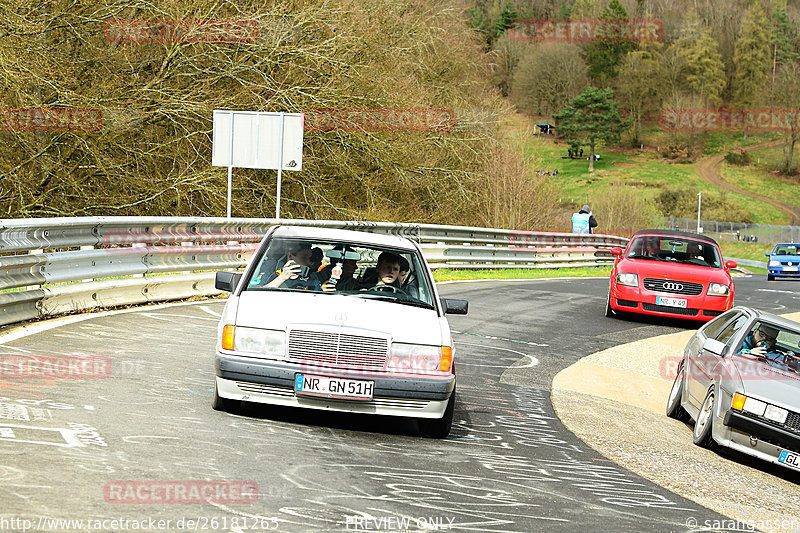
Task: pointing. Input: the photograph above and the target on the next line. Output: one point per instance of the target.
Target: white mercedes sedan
(338, 320)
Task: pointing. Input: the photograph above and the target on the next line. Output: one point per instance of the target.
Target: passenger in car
(346, 281)
(296, 272)
(694, 251)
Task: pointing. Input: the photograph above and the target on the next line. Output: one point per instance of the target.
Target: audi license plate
(325, 387)
(789, 458)
(790, 269)
(671, 302)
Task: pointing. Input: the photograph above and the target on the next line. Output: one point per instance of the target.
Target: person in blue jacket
(583, 221)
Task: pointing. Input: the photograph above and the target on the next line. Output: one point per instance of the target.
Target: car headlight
(745, 404)
(419, 358)
(774, 263)
(629, 279)
(718, 289)
(263, 342)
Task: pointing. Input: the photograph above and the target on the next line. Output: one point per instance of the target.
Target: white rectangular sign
(252, 139)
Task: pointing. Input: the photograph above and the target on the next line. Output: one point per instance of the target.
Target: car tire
(770, 278)
(439, 428)
(674, 408)
(224, 404)
(610, 313)
(704, 426)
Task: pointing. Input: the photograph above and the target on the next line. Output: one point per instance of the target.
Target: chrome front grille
(673, 286)
(338, 350)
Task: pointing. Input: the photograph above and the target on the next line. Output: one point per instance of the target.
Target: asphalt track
(508, 465)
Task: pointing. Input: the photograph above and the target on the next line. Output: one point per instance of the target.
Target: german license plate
(671, 302)
(790, 269)
(326, 387)
(789, 458)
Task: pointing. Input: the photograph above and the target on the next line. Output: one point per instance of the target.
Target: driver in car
(760, 342)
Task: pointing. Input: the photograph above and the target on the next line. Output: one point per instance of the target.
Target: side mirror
(617, 251)
(767, 254)
(227, 281)
(714, 346)
(731, 264)
(452, 306)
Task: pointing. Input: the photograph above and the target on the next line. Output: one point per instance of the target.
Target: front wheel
(674, 408)
(770, 278)
(439, 428)
(610, 313)
(703, 428)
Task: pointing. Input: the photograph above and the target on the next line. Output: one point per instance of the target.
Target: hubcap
(705, 414)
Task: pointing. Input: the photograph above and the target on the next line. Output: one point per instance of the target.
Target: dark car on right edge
(739, 379)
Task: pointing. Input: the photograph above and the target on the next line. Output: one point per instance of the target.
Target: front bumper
(779, 271)
(272, 382)
(759, 439)
(639, 300)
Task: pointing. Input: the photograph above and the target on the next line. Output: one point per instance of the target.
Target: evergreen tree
(752, 57)
(507, 16)
(590, 118)
(584, 9)
(783, 35)
(705, 71)
(479, 22)
(564, 10)
(603, 57)
(641, 85)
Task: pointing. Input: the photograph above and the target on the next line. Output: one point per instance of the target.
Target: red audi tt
(672, 274)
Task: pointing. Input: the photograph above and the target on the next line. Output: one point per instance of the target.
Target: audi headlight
(718, 289)
(418, 358)
(631, 280)
(263, 342)
(774, 263)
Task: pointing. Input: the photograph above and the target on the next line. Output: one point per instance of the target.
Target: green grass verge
(447, 274)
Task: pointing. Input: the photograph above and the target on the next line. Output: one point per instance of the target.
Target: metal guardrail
(51, 266)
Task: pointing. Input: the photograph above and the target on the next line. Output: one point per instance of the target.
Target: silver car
(361, 330)
(739, 379)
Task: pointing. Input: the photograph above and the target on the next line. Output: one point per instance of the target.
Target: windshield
(675, 249)
(785, 249)
(345, 268)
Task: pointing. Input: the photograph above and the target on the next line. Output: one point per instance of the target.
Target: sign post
(253, 139)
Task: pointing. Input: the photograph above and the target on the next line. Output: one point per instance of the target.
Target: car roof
(674, 233)
(788, 244)
(770, 317)
(343, 235)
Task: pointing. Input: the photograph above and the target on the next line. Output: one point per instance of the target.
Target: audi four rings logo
(671, 286)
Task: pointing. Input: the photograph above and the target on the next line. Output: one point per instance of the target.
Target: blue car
(784, 261)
